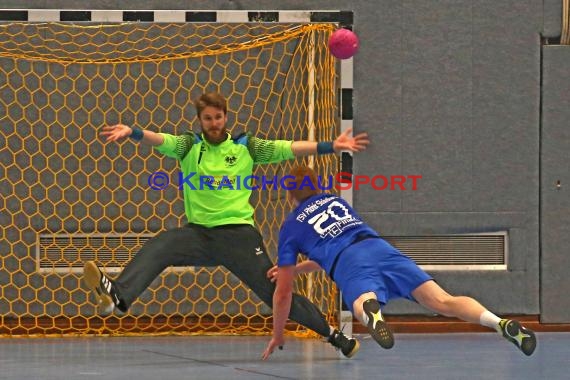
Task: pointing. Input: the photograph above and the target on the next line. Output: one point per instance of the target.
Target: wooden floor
(437, 324)
(414, 356)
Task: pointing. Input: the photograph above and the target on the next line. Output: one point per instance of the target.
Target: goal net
(67, 197)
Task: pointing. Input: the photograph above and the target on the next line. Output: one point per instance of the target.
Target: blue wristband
(325, 147)
(137, 134)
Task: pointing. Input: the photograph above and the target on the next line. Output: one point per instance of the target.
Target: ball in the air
(343, 43)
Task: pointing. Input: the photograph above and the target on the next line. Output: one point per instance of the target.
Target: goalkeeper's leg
(184, 246)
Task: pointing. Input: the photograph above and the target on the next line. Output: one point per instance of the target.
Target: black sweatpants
(238, 247)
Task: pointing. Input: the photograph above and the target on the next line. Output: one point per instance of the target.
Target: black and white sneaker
(376, 326)
(520, 336)
(101, 286)
(347, 345)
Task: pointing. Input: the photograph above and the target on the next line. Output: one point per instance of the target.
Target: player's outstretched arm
(306, 266)
(344, 142)
(119, 132)
(281, 307)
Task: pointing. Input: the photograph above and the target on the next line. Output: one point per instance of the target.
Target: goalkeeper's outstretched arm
(119, 132)
(344, 141)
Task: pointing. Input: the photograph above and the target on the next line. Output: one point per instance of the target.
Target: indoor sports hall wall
(555, 177)
(451, 90)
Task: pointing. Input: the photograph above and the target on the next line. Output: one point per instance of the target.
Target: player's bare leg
(432, 296)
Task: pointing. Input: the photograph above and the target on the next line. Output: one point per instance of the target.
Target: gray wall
(457, 96)
(449, 90)
(555, 179)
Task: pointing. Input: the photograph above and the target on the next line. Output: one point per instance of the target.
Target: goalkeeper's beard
(215, 136)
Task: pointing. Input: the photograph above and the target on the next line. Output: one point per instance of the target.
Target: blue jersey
(320, 228)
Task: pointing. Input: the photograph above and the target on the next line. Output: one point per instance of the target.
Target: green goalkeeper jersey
(214, 177)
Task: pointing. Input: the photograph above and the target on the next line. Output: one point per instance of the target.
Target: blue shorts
(373, 265)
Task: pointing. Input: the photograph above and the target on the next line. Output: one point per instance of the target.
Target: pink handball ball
(343, 43)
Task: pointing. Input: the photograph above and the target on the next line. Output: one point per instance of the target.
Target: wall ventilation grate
(486, 251)
(68, 252)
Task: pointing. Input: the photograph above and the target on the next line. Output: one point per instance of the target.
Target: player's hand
(353, 144)
(273, 343)
(272, 273)
(116, 132)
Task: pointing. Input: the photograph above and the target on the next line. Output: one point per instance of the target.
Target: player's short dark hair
(211, 99)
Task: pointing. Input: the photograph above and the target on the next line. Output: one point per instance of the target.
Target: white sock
(489, 319)
(331, 330)
(364, 318)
